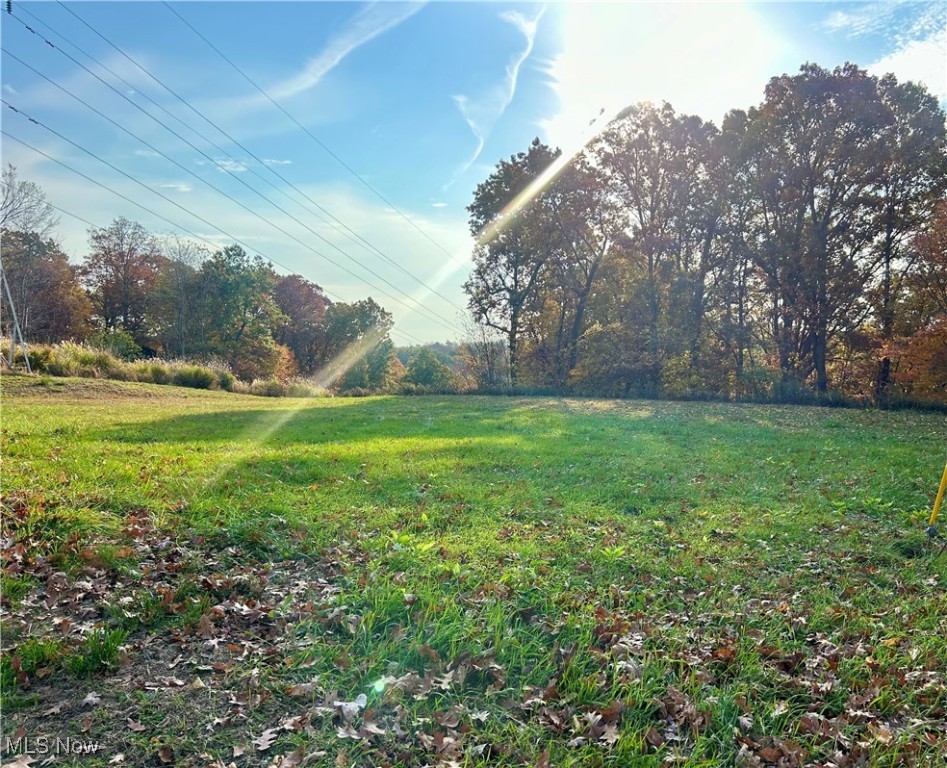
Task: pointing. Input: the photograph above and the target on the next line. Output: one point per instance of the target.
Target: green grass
(506, 580)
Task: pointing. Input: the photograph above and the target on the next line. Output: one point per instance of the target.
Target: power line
(191, 173)
(348, 231)
(305, 130)
(418, 308)
(174, 224)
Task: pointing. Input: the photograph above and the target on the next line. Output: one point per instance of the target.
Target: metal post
(16, 332)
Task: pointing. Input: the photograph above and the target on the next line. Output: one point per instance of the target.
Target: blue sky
(419, 100)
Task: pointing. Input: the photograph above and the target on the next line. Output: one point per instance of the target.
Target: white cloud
(481, 113)
(271, 162)
(923, 61)
(368, 24)
(7, 88)
(146, 153)
(226, 165)
(438, 205)
(703, 58)
(915, 32)
(176, 187)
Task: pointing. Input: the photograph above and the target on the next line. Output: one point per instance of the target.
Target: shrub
(153, 371)
(304, 388)
(118, 341)
(194, 376)
(268, 388)
(225, 379)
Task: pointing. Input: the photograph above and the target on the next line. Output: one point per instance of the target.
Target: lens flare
(269, 423)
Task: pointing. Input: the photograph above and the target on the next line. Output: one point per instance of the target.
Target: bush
(300, 388)
(118, 342)
(193, 376)
(268, 388)
(225, 379)
(153, 371)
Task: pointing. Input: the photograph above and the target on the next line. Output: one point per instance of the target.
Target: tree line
(797, 250)
(139, 294)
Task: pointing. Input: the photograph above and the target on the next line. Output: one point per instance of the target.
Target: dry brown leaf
(91, 699)
(265, 740)
(166, 755)
(134, 725)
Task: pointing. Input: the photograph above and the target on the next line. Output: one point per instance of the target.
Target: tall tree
(50, 303)
(304, 305)
(175, 309)
(913, 175)
(121, 271)
(24, 207)
(239, 312)
(512, 246)
(817, 144)
(656, 160)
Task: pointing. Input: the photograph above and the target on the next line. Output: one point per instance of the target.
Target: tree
(175, 309)
(304, 305)
(912, 177)
(425, 370)
(121, 271)
(512, 247)
(357, 351)
(656, 161)
(239, 313)
(24, 207)
(51, 305)
(816, 146)
(585, 226)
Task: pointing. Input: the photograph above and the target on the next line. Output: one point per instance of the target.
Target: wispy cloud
(146, 153)
(922, 61)
(916, 33)
(176, 187)
(271, 162)
(368, 24)
(438, 205)
(7, 88)
(903, 21)
(225, 165)
(482, 113)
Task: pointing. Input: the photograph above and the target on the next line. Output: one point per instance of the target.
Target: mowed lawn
(206, 579)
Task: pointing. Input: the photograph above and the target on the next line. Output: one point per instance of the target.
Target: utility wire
(418, 306)
(174, 224)
(212, 186)
(335, 222)
(305, 130)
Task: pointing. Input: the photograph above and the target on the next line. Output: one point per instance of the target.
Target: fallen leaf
(265, 740)
(91, 699)
(351, 708)
(301, 689)
(56, 708)
(134, 725)
(166, 755)
(22, 761)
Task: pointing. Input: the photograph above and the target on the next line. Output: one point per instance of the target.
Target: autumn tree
(239, 313)
(175, 309)
(120, 272)
(512, 248)
(913, 175)
(656, 161)
(51, 304)
(24, 207)
(304, 306)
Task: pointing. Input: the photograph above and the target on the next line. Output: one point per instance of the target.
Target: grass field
(205, 579)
